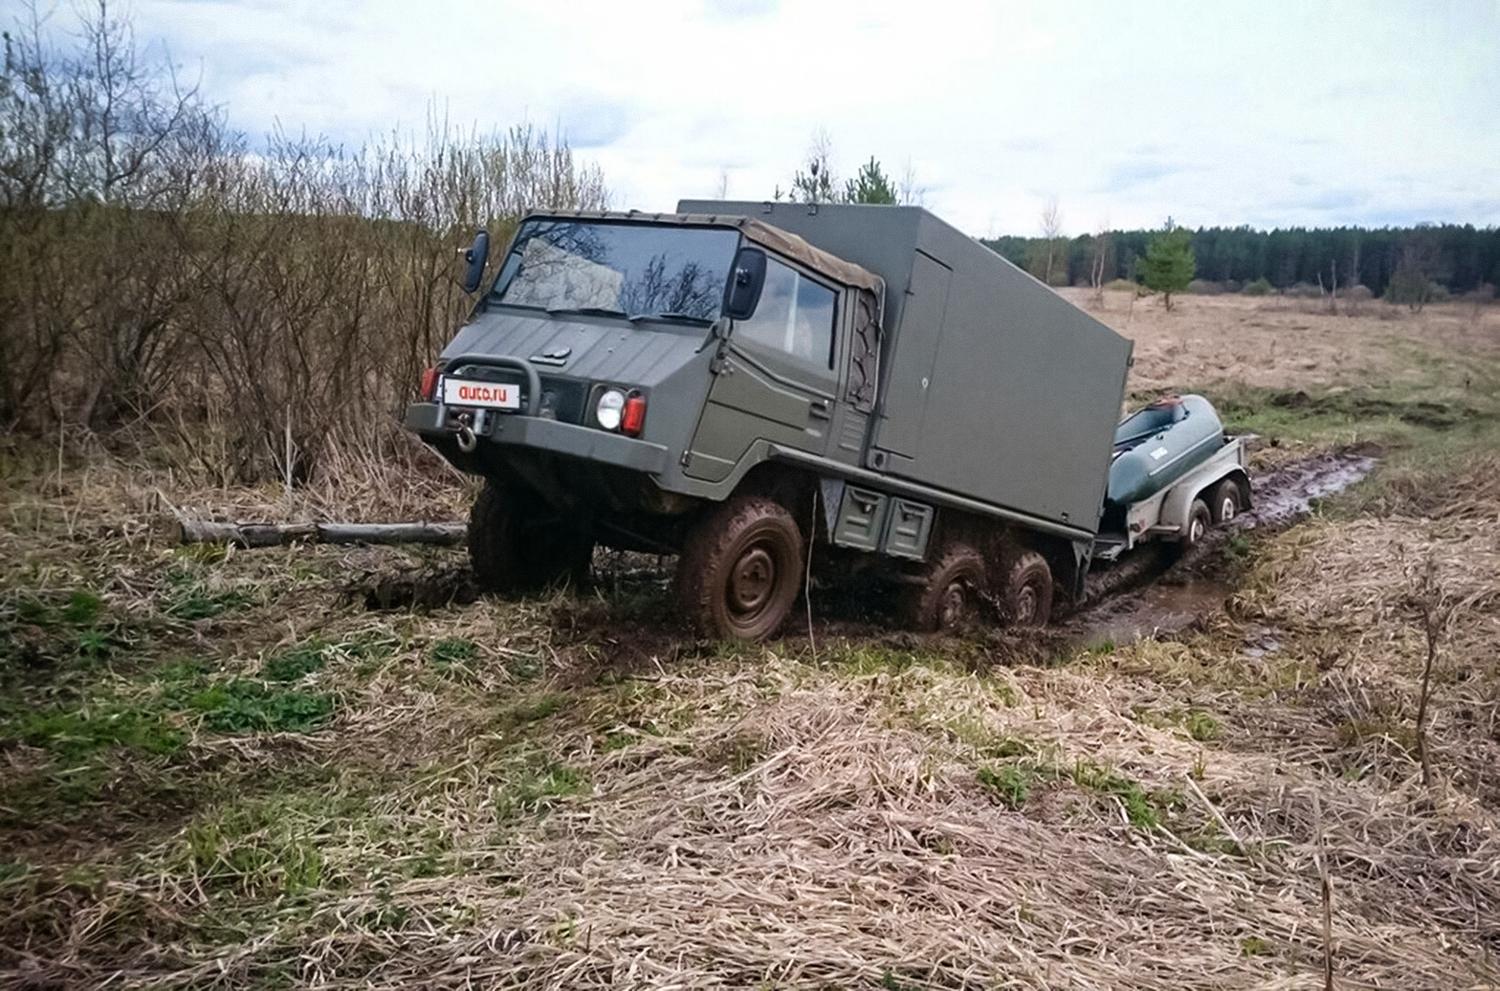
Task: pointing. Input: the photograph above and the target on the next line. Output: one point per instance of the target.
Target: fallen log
(277, 534)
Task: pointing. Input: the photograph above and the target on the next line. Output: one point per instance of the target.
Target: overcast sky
(1263, 113)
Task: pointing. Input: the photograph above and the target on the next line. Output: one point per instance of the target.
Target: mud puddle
(1162, 608)
(1290, 491)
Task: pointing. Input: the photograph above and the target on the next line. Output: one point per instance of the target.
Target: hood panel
(601, 351)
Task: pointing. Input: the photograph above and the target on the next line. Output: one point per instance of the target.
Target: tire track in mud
(1155, 590)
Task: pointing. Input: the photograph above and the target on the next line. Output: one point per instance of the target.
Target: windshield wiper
(669, 315)
(588, 311)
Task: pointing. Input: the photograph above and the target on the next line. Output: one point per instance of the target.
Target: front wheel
(518, 544)
(740, 569)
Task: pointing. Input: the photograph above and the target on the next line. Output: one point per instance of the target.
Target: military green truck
(746, 384)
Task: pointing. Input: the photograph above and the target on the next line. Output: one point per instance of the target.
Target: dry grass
(219, 769)
(1447, 350)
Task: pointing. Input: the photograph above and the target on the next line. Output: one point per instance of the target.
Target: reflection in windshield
(635, 269)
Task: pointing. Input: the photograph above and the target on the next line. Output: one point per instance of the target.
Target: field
(323, 766)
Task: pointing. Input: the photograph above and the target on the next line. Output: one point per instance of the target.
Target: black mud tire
(517, 544)
(1200, 519)
(741, 569)
(950, 593)
(1023, 589)
(1226, 502)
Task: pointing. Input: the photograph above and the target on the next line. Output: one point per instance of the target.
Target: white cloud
(1264, 113)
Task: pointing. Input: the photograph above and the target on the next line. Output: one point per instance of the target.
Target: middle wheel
(948, 595)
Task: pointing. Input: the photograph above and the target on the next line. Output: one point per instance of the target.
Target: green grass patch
(452, 650)
(74, 733)
(1010, 783)
(296, 663)
(875, 658)
(187, 597)
(1197, 724)
(531, 710)
(538, 786)
(1143, 809)
(270, 845)
(1254, 946)
(245, 706)
(41, 631)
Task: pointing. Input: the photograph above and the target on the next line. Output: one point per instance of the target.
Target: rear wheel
(1200, 518)
(517, 543)
(1225, 503)
(1024, 588)
(740, 569)
(948, 595)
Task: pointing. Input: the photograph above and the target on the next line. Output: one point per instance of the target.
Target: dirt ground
(240, 769)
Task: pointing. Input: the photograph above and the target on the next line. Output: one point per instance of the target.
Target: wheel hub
(751, 581)
(954, 606)
(1026, 604)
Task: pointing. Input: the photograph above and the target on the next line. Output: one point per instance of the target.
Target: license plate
(491, 395)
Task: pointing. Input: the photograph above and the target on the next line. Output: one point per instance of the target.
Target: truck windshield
(631, 269)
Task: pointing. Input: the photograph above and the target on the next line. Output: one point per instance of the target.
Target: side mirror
(475, 257)
(743, 292)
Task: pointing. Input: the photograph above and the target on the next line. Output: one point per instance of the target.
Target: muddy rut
(1155, 591)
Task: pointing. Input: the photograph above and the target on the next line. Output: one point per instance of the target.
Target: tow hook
(466, 439)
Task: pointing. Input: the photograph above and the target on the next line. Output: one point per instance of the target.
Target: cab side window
(794, 316)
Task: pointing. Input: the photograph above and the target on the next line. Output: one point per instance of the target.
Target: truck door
(904, 405)
(774, 378)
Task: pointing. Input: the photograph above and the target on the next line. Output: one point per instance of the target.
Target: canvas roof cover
(782, 242)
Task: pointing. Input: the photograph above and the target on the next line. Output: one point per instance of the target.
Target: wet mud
(1153, 591)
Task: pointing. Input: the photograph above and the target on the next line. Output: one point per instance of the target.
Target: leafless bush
(155, 266)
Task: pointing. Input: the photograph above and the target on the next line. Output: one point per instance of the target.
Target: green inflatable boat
(1158, 444)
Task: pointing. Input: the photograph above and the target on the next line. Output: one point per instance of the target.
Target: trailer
(1174, 474)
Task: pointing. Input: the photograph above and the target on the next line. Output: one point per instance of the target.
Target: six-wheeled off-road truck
(741, 384)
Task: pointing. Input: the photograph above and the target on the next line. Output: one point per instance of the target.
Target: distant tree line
(1459, 259)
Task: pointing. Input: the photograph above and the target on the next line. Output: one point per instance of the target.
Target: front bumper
(541, 434)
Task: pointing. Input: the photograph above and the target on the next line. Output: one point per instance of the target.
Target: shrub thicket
(157, 267)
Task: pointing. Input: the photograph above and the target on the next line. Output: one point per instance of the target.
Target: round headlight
(608, 411)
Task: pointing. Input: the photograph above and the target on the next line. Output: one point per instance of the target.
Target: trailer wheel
(1225, 504)
(948, 595)
(1025, 589)
(517, 543)
(740, 569)
(1200, 518)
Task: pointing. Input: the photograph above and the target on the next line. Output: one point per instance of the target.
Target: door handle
(819, 409)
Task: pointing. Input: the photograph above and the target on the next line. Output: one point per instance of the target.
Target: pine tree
(1169, 264)
(870, 185)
